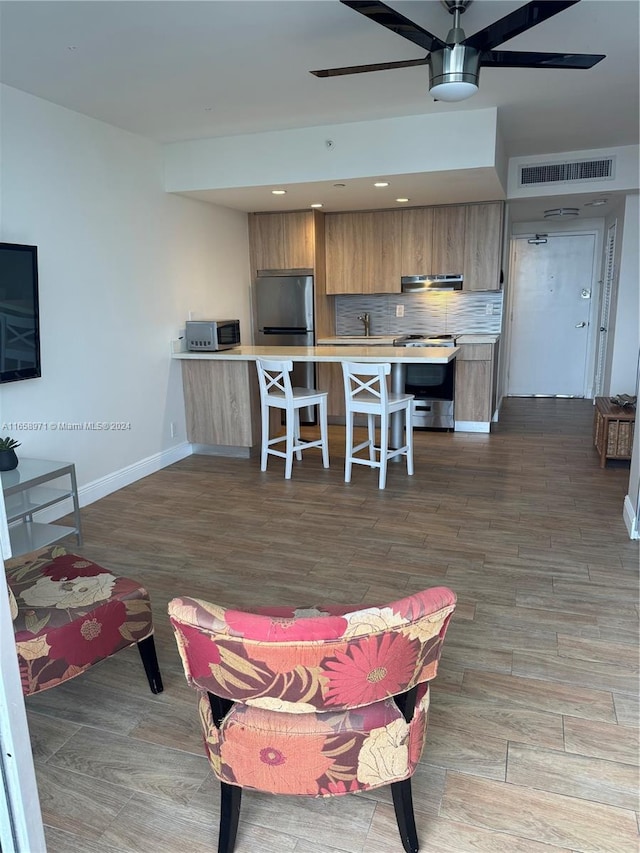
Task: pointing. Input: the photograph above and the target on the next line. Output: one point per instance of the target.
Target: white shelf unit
(25, 494)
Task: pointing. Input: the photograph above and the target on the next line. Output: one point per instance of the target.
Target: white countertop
(477, 339)
(336, 354)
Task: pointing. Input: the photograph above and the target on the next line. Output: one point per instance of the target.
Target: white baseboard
(630, 518)
(104, 486)
(472, 426)
(225, 450)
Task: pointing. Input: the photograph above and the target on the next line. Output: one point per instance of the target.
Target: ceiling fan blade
(397, 23)
(377, 66)
(531, 59)
(516, 22)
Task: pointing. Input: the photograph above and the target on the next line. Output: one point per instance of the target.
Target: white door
(551, 313)
(21, 829)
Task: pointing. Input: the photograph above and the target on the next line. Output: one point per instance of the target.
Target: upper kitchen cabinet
(483, 246)
(283, 241)
(449, 228)
(417, 241)
(363, 252)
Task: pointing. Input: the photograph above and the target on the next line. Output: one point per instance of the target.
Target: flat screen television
(19, 313)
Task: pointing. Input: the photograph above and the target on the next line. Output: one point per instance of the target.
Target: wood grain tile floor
(532, 746)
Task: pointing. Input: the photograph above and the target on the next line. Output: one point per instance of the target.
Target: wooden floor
(532, 741)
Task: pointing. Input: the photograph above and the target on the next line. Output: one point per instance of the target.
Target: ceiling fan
(454, 64)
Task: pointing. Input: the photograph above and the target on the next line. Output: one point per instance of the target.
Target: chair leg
(384, 449)
(324, 432)
(348, 454)
(231, 796)
(409, 437)
(290, 428)
(296, 435)
(265, 437)
(147, 649)
(403, 805)
(371, 433)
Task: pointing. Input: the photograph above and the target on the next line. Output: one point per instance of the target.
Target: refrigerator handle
(284, 330)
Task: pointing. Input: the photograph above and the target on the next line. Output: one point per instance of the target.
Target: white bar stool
(366, 392)
(277, 392)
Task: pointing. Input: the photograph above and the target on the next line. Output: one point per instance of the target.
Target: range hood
(420, 283)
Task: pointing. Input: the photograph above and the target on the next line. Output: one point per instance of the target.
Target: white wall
(625, 175)
(121, 263)
(626, 325)
(401, 145)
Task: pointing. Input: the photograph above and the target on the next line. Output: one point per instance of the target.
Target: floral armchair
(315, 702)
(69, 613)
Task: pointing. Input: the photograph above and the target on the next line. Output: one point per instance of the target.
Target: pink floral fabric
(71, 613)
(313, 713)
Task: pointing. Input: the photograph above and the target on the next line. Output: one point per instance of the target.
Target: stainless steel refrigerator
(283, 301)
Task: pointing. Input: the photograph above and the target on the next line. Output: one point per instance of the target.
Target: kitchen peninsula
(222, 399)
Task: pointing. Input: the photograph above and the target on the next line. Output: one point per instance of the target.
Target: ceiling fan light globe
(453, 91)
(454, 73)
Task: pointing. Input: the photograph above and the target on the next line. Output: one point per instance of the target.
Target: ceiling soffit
(407, 145)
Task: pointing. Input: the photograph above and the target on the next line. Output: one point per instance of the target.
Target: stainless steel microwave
(212, 335)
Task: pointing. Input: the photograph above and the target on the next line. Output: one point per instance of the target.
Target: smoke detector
(560, 212)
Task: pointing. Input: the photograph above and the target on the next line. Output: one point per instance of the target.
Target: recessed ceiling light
(278, 192)
(597, 202)
(381, 184)
(317, 204)
(558, 212)
(402, 199)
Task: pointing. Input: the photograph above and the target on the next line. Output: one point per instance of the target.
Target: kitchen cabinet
(463, 239)
(369, 251)
(293, 241)
(417, 241)
(482, 246)
(330, 379)
(363, 252)
(475, 390)
(449, 227)
(283, 241)
(222, 404)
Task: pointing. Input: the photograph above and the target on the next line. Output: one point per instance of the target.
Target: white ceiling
(184, 70)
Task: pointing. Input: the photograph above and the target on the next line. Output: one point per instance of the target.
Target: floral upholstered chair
(315, 702)
(69, 613)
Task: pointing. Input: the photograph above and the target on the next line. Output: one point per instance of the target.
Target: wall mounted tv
(19, 314)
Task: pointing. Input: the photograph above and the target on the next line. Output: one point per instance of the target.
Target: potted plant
(8, 458)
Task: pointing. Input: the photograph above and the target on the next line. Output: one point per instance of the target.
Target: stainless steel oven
(432, 385)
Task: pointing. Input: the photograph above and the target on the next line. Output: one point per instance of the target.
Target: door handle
(580, 325)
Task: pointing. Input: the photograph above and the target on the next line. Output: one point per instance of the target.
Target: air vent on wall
(570, 172)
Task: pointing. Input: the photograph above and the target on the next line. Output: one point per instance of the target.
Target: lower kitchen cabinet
(330, 379)
(222, 404)
(475, 391)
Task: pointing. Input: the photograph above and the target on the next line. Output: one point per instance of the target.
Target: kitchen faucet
(366, 319)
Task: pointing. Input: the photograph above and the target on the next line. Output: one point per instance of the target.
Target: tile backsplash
(446, 313)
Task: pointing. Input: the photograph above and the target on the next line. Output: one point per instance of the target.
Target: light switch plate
(399, 310)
